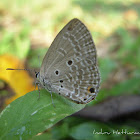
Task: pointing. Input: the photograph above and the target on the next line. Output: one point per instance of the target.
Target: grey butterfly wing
(70, 64)
(56, 46)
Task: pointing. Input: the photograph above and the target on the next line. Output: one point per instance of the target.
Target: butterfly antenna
(36, 83)
(18, 69)
(24, 69)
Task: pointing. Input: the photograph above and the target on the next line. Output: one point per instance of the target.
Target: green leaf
(27, 116)
(93, 131)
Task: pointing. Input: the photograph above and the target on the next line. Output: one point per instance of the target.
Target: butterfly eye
(37, 74)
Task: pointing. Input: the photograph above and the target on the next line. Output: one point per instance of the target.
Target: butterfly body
(69, 67)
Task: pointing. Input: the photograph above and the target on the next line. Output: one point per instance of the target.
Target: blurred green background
(27, 28)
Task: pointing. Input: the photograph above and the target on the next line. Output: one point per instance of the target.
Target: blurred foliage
(25, 82)
(11, 42)
(27, 27)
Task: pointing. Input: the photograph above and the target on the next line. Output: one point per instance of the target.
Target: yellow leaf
(19, 81)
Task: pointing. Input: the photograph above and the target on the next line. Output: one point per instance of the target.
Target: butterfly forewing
(70, 65)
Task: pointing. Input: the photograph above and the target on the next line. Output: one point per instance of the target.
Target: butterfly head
(37, 74)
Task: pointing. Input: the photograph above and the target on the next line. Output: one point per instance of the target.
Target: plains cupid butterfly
(69, 68)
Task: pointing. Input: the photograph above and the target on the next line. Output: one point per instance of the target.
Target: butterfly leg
(38, 85)
(38, 90)
(52, 98)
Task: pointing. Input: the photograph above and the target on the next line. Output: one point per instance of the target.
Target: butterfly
(69, 67)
